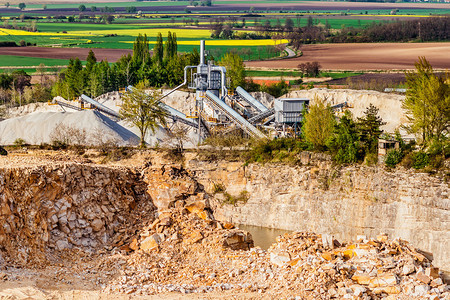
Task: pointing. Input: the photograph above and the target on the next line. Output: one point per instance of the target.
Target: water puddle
(262, 236)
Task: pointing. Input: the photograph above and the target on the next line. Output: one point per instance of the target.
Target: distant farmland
(360, 57)
(63, 25)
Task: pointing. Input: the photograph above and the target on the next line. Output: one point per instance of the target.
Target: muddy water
(262, 236)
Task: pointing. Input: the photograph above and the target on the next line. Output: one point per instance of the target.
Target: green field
(13, 60)
(9, 63)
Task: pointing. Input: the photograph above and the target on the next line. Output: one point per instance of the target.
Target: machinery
(216, 108)
(209, 82)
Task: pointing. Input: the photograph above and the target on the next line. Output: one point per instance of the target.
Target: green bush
(20, 142)
(233, 200)
(59, 145)
(283, 149)
(420, 160)
(3, 151)
(407, 161)
(218, 188)
(371, 159)
(393, 157)
(437, 147)
(276, 89)
(436, 161)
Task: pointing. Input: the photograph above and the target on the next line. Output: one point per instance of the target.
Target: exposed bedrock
(345, 202)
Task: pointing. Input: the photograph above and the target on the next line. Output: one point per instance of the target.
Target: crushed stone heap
(174, 255)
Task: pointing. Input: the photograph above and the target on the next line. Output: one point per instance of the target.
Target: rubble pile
(47, 209)
(185, 250)
(368, 269)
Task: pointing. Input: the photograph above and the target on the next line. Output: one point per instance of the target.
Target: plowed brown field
(376, 56)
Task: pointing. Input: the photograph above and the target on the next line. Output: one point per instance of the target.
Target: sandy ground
(356, 57)
(43, 288)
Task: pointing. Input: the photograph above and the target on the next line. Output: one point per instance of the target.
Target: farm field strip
(366, 56)
(12, 61)
(111, 4)
(262, 42)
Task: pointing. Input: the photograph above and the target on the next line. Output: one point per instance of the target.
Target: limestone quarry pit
(149, 227)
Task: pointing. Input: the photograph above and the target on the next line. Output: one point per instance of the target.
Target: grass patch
(219, 188)
(339, 75)
(25, 61)
(284, 150)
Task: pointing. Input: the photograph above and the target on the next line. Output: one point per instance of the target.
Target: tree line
(352, 140)
(315, 31)
(427, 108)
(425, 30)
(164, 68)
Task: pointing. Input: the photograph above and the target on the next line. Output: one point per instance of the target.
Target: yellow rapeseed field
(4, 31)
(151, 32)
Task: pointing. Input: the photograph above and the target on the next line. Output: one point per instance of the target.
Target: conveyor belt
(261, 116)
(100, 107)
(65, 104)
(250, 100)
(234, 116)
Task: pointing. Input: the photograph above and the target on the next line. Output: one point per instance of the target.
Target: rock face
(169, 183)
(345, 202)
(65, 207)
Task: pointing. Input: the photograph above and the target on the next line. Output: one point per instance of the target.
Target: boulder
(238, 240)
(151, 242)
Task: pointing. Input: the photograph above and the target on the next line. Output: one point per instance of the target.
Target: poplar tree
(91, 60)
(158, 50)
(174, 44)
(168, 51)
(140, 49)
